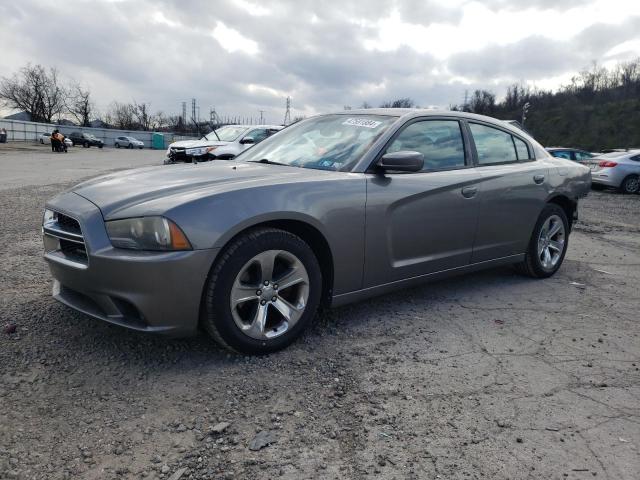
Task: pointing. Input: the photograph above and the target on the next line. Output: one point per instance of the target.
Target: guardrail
(22, 131)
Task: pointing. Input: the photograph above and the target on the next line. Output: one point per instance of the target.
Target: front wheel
(117, 145)
(86, 145)
(631, 184)
(263, 292)
(41, 142)
(100, 146)
(548, 244)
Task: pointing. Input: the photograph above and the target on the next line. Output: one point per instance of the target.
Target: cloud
(242, 56)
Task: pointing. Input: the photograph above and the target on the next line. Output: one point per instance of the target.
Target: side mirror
(247, 141)
(403, 161)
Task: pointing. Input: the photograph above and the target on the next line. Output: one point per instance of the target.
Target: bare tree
(35, 91)
(122, 116)
(399, 103)
(79, 104)
(482, 102)
(142, 116)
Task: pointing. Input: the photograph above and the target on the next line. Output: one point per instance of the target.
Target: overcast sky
(242, 56)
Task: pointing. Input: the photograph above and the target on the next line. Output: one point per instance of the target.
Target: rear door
(513, 191)
(422, 222)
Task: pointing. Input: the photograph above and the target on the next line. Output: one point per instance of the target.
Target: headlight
(199, 150)
(147, 233)
(49, 217)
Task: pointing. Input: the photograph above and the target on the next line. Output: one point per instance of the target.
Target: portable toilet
(157, 141)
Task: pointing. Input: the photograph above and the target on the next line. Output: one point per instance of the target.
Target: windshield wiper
(267, 161)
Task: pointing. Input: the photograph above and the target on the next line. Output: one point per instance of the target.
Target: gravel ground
(489, 375)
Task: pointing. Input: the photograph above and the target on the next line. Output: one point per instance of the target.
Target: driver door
(423, 222)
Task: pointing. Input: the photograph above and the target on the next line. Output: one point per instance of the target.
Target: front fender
(335, 208)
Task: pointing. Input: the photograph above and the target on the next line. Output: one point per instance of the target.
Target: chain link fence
(22, 131)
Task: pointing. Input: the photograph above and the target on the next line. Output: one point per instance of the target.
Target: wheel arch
(310, 234)
(567, 204)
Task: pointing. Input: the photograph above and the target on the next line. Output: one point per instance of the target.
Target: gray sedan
(331, 210)
(619, 170)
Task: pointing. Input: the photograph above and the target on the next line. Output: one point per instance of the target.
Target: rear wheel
(130, 146)
(631, 184)
(548, 244)
(117, 145)
(86, 145)
(262, 293)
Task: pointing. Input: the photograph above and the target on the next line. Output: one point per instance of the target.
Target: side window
(493, 145)
(583, 156)
(561, 154)
(258, 135)
(635, 158)
(521, 149)
(440, 141)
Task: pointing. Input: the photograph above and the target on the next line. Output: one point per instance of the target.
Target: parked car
(86, 140)
(574, 154)
(224, 143)
(333, 209)
(128, 142)
(45, 139)
(620, 170)
(3, 135)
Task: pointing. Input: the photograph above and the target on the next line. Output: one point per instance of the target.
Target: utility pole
(466, 100)
(525, 110)
(261, 116)
(184, 113)
(287, 113)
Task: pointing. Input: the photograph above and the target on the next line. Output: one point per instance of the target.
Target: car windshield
(328, 142)
(226, 134)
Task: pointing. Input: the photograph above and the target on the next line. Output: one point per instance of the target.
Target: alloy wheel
(551, 242)
(269, 294)
(631, 185)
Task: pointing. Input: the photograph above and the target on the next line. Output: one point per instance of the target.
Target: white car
(223, 144)
(45, 139)
(128, 142)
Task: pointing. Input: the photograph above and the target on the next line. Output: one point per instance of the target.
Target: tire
(533, 264)
(86, 145)
(238, 272)
(630, 184)
(130, 146)
(117, 145)
(41, 142)
(101, 145)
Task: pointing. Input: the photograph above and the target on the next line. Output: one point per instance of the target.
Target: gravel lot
(490, 375)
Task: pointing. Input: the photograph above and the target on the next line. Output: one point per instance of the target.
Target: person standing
(54, 141)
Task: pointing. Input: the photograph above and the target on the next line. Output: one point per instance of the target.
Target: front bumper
(146, 291)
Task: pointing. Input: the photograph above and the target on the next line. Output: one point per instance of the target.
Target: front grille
(63, 240)
(69, 224)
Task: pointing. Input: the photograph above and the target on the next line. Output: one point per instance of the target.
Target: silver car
(128, 142)
(620, 170)
(224, 143)
(331, 210)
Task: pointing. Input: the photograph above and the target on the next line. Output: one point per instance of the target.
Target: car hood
(198, 143)
(155, 190)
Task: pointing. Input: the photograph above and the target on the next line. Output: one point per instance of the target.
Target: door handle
(469, 192)
(538, 179)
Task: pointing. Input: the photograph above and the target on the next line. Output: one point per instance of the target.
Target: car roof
(276, 127)
(409, 113)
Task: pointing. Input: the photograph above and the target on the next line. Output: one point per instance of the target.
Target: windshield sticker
(361, 122)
